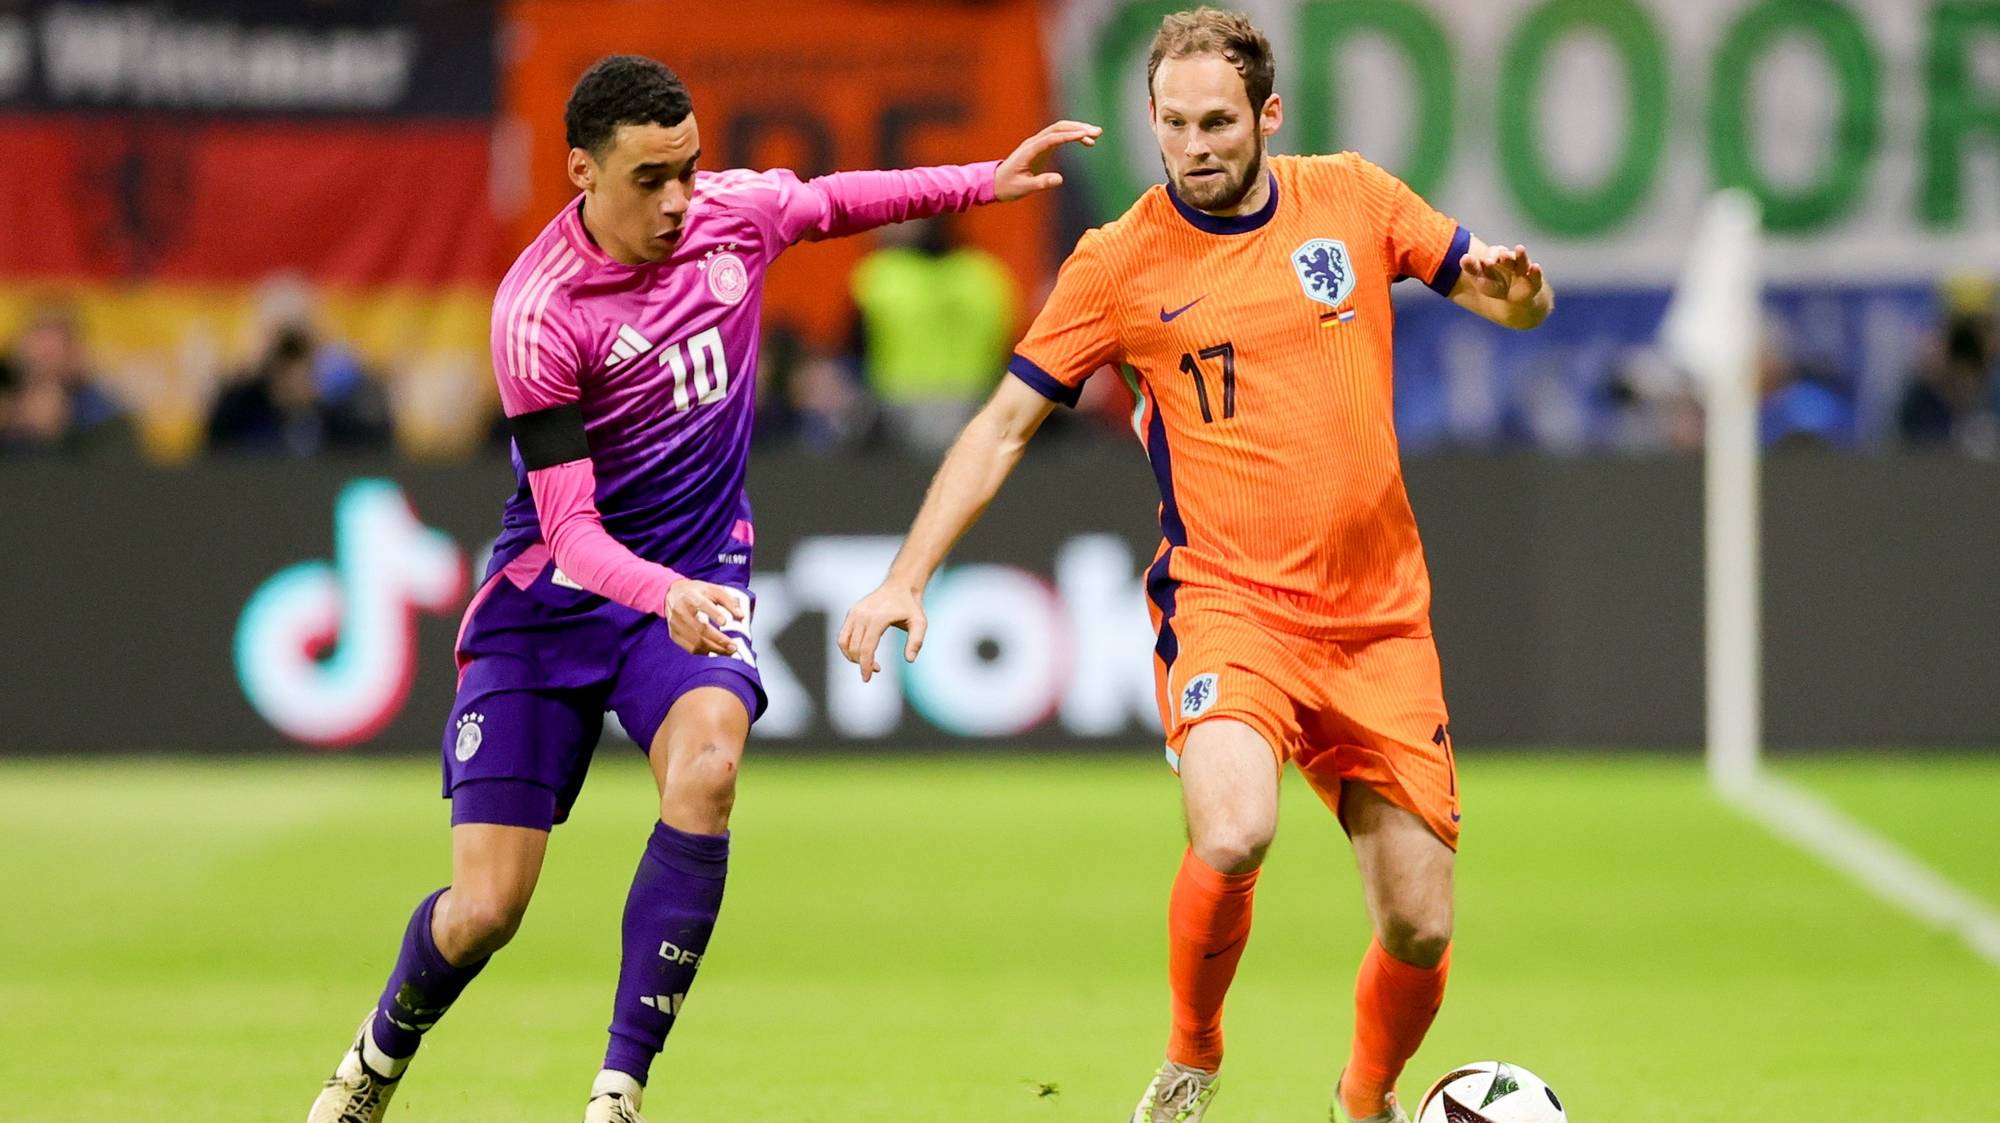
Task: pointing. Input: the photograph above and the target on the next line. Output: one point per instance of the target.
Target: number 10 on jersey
(1227, 353)
(708, 366)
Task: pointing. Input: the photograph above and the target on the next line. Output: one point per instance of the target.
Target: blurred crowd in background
(265, 228)
(932, 324)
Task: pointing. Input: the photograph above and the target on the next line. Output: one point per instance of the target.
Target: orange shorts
(1369, 711)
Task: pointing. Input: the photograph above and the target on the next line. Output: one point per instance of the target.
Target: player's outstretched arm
(972, 472)
(1505, 286)
(844, 203)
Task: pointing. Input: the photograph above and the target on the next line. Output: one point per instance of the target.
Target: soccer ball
(1490, 1092)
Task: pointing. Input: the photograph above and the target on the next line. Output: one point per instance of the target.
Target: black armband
(552, 436)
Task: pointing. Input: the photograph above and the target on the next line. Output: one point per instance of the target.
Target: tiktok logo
(326, 652)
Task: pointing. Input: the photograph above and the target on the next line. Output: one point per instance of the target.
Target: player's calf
(1406, 872)
(425, 982)
(445, 946)
(422, 986)
(676, 892)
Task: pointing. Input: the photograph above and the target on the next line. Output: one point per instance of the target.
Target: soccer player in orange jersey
(1250, 296)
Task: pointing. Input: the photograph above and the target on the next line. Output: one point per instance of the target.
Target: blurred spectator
(936, 323)
(1806, 405)
(300, 400)
(804, 398)
(49, 398)
(1950, 400)
(1648, 405)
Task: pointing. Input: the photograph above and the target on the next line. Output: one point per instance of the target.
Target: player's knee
(1234, 847)
(706, 776)
(482, 923)
(1414, 934)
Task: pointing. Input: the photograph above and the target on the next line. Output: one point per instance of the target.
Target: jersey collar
(1229, 223)
(579, 238)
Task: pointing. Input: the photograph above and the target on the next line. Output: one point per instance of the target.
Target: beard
(1219, 193)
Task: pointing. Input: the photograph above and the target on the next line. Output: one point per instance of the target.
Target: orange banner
(812, 85)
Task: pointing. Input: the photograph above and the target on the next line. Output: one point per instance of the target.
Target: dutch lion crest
(1325, 270)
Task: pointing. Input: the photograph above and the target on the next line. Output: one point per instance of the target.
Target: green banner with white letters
(1593, 129)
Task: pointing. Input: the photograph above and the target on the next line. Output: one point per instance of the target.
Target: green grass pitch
(923, 939)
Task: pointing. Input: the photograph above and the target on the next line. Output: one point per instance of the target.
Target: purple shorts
(540, 663)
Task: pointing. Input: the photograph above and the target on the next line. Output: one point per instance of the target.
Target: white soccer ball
(1490, 1092)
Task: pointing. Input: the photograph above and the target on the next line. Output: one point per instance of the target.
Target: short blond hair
(1216, 31)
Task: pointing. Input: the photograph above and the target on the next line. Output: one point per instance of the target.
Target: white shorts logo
(1198, 696)
(736, 627)
(469, 735)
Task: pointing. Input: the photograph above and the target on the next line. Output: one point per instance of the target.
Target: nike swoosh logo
(1167, 317)
(1231, 944)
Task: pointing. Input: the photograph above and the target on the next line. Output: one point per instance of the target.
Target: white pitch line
(1882, 867)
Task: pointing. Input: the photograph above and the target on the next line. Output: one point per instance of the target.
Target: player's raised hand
(1019, 176)
(887, 607)
(696, 611)
(1503, 274)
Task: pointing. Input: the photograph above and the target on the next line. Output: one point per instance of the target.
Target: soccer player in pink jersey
(625, 344)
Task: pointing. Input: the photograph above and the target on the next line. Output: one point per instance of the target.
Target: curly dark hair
(622, 90)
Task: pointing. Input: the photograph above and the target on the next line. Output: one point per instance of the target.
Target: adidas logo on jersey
(630, 344)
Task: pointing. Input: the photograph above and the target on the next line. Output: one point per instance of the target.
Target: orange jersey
(1262, 346)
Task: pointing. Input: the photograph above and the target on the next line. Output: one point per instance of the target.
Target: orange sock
(1394, 1003)
(1208, 922)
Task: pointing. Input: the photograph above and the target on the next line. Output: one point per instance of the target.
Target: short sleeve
(1418, 241)
(1075, 333)
(535, 356)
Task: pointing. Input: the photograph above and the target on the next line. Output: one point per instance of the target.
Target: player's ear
(582, 169)
(1272, 116)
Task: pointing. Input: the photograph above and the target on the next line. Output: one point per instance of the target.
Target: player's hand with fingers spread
(695, 612)
(1018, 175)
(889, 606)
(1504, 274)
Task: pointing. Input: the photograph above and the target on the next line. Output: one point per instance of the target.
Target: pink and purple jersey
(659, 360)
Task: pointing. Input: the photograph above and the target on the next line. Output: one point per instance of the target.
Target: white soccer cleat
(1392, 1112)
(1178, 1094)
(614, 1098)
(355, 1093)
(612, 1108)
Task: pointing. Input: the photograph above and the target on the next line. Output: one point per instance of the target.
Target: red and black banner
(195, 142)
(169, 165)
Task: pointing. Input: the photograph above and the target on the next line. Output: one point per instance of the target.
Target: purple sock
(421, 988)
(668, 917)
